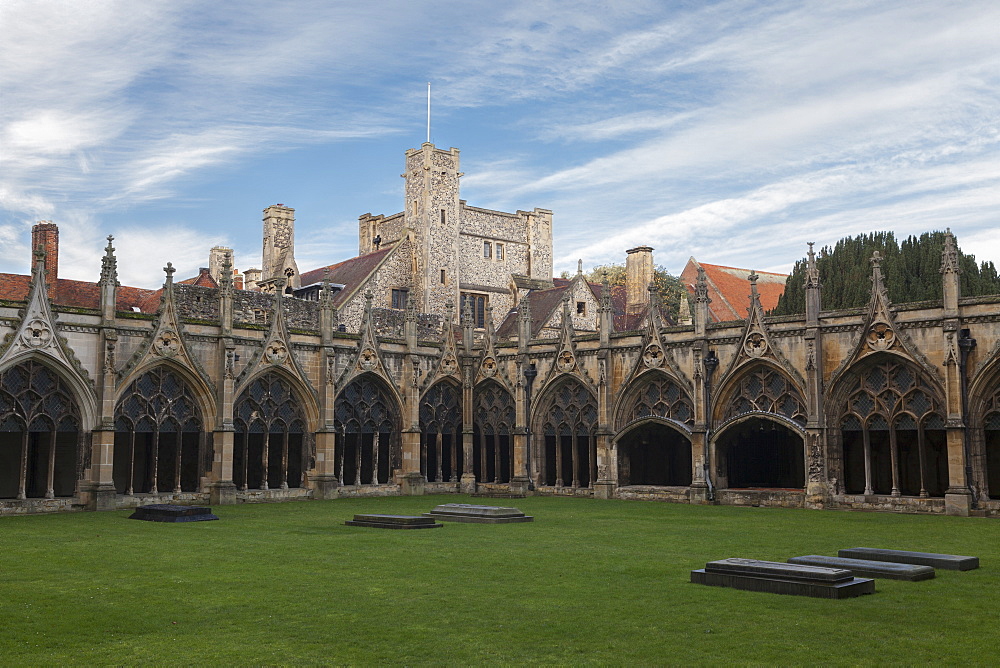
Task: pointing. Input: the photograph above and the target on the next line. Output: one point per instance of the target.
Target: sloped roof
(350, 273)
(729, 288)
(81, 294)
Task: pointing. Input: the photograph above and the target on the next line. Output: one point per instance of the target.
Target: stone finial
(579, 267)
(949, 255)
(684, 312)
(701, 287)
(605, 292)
(109, 265)
(812, 271)
(466, 312)
(411, 307)
(878, 284)
(169, 271)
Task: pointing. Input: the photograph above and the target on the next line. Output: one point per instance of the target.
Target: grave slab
(865, 568)
(781, 578)
(393, 522)
(165, 512)
(951, 562)
(468, 512)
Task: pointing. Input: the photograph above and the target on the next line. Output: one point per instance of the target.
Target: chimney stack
(45, 237)
(638, 278)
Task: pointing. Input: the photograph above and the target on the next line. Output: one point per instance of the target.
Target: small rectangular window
(487, 250)
(499, 251)
(581, 308)
(399, 297)
(443, 219)
(444, 277)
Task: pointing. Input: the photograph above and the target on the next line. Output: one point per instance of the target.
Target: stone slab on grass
(782, 578)
(393, 522)
(165, 512)
(951, 562)
(468, 512)
(865, 568)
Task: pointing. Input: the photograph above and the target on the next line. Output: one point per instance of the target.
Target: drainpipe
(965, 345)
(529, 376)
(711, 362)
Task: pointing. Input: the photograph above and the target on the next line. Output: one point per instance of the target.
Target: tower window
(499, 251)
(399, 297)
(443, 218)
(444, 277)
(478, 303)
(487, 250)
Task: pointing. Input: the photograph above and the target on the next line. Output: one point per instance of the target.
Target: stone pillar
(958, 497)
(100, 492)
(699, 488)
(223, 490)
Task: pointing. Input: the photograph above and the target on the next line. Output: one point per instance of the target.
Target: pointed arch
(367, 421)
(441, 432)
(159, 433)
(81, 391)
(888, 435)
(306, 396)
(494, 419)
(200, 392)
(272, 437)
(760, 387)
(654, 393)
(41, 432)
(566, 423)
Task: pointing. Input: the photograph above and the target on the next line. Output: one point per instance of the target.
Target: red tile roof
(81, 294)
(729, 288)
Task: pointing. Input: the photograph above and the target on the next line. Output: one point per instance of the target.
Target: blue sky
(731, 131)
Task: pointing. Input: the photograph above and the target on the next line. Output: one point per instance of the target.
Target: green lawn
(589, 581)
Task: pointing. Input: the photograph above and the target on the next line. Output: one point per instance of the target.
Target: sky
(733, 131)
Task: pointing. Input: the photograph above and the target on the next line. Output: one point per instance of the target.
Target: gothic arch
(41, 432)
(762, 387)
(82, 392)
(159, 434)
(565, 424)
(305, 394)
(367, 419)
(887, 419)
(441, 431)
(272, 442)
(201, 393)
(656, 395)
(984, 430)
(494, 420)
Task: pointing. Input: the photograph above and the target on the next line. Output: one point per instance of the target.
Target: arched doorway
(441, 433)
(268, 449)
(493, 425)
(892, 432)
(760, 452)
(158, 431)
(652, 453)
(40, 434)
(652, 448)
(568, 420)
(367, 422)
(758, 446)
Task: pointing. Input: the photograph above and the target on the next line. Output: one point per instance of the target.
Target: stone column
(223, 490)
(411, 481)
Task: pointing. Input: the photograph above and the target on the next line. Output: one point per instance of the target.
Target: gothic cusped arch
(201, 393)
(41, 435)
(888, 429)
(565, 424)
(761, 388)
(441, 431)
(494, 420)
(305, 395)
(654, 395)
(82, 391)
(368, 425)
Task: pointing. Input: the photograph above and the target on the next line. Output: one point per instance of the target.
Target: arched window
(157, 436)
(569, 424)
(39, 434)
(893, 433)
(493, 425)
(268, 452)
(658, 396)
(991, 445)
(441, 433)
(767, 390)
(366, 420)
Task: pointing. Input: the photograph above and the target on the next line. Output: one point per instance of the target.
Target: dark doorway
(654, 454)
(762, 453)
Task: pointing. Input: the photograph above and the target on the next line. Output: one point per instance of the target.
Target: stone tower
(432, 222)
(279, 246)
(217, 258)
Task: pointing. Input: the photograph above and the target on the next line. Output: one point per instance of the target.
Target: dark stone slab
(164, 512)
(780, 578)
(498, 495)
(393, 522)
(951, 562)
(864, 568)
(467, 512)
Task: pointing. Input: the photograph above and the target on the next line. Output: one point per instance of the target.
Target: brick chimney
(638, 277)
(45, 237)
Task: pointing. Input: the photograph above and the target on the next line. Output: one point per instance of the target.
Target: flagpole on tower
(428, 112)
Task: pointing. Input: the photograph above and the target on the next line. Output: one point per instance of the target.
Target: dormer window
(581, 308)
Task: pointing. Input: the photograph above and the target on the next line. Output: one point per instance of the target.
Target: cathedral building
(445, 357)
